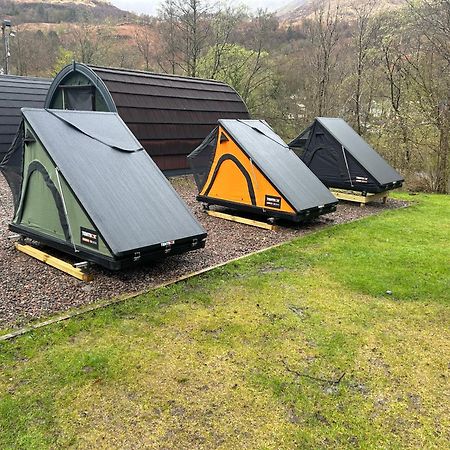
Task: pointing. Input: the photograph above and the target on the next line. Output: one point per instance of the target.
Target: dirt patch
(30, 289)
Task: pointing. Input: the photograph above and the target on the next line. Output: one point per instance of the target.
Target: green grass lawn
(297, 347)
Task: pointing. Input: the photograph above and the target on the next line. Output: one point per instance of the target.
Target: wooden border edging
(120, 299)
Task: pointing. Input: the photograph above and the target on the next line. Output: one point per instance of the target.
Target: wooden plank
(349, 197)
(245, 221)
(54, 262)
(352, 196)
(380, 196)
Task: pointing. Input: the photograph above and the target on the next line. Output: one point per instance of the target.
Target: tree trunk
(443, 176)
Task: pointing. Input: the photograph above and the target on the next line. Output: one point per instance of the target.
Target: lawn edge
(122, 298)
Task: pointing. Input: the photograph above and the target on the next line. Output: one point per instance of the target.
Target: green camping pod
(82, 183)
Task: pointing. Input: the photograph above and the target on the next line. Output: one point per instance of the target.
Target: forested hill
(297, 10)
(58, 11)
(72, 11)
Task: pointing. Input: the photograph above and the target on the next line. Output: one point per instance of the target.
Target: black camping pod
(169, 114)
(15, 93)
(342, 159)
(245, 165)
(82, 183)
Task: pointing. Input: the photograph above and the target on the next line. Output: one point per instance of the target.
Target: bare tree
(223, 25)
(258, 73)
(363, 38)
(87, 42)
(168, 37)
(186, 32)
(428, 68)
(144, 37)
(34, 52)
(393, 62)
(433, 17)
(324, 36)
(20, 52)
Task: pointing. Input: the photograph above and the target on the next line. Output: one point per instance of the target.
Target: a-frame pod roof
(245, 162)
(109, 179)
(341, 158)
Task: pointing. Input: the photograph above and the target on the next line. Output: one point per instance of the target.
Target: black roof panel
(279, 163)
(127, 197)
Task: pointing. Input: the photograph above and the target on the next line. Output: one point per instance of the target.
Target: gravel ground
(30, 290)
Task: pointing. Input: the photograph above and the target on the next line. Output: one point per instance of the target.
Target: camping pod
(342, 159)
(245, 165)
(16, 93)
(82, 183)
(169, 114)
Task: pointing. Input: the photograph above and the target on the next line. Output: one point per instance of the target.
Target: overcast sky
(151, 6)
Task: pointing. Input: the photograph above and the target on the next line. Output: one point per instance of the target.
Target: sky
(151, 6)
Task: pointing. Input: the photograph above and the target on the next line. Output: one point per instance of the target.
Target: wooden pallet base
(245, 221)
(357, 197)
(54, 262)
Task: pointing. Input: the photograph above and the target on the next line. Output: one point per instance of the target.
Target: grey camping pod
(342, 159)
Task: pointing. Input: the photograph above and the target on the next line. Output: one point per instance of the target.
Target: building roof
(121, 189)
(170, 115)
(360, 150)
(301, 188)
(15, 93)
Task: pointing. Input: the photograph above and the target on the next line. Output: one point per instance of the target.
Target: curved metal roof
(169, 114)
(15, 93)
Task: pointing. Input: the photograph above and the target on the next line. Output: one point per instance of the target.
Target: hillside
(297, 10)
(58, 11)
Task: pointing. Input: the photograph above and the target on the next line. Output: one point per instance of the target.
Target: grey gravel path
(30, 290)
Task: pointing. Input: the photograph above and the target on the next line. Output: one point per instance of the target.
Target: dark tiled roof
(170, 115)
(15, 93)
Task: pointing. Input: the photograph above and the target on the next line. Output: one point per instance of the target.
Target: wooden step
(358, 197)
(244, 220)
(54, 262)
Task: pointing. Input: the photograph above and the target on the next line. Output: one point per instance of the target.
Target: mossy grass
(336, 340)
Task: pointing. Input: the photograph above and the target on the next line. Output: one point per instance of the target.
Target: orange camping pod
(245, 165)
